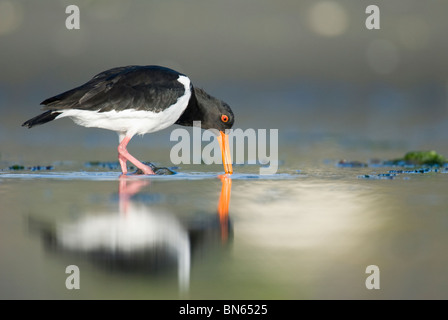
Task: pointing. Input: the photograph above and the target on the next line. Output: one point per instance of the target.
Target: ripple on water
(109, 175)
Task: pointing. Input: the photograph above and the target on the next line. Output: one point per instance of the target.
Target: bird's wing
(150, 88)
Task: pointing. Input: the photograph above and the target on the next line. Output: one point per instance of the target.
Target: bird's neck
(192, 112)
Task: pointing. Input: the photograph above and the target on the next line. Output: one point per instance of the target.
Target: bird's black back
(149, 88)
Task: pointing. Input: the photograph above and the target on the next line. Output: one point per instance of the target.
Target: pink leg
(123, 156)
(122, 160)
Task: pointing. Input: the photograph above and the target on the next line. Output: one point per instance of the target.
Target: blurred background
(308, 68)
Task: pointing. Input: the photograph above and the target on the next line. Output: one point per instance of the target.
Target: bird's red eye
(224, 118)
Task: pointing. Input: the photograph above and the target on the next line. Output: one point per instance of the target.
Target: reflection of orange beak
(223, 140)
(223, 205)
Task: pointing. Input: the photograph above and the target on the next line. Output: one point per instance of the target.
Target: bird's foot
(146, 170)
(160, 171)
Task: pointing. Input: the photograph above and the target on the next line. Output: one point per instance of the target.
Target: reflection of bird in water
(141, 239)
(137, 100)
(132, 237)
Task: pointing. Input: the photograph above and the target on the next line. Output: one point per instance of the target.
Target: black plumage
(148, 88)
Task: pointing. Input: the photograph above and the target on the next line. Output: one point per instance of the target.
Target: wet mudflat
(307, 232)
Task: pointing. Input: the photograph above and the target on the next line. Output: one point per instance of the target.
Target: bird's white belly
(130, 122)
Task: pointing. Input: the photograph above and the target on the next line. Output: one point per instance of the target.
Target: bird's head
(216, 114)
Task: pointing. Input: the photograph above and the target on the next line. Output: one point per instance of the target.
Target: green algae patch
(16, 167)
(425, 158)
(421, 158)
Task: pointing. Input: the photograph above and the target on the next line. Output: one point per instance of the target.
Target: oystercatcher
(137, 100)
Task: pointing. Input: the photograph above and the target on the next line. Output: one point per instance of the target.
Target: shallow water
(308, 232)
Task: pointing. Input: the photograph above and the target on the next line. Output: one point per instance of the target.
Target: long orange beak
(223, 140)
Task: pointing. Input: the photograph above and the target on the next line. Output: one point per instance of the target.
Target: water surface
(308, 232)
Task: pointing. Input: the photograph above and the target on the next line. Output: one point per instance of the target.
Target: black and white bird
(137, 100)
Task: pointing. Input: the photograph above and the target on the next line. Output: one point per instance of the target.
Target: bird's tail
(41, 119)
